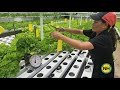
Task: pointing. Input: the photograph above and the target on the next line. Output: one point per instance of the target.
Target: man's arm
(71, 30)
(78, 44)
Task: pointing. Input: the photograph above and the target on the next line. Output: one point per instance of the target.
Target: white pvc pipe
(81, 20)
(65, 64)
(46, 71)
(70, 20)
(76, 68)
(87, 73)
(41, 27)
(7, 40)
(45, 61)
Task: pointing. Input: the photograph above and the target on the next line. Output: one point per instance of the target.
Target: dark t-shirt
(102, 52)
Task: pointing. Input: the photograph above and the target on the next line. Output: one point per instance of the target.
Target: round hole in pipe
(84, 77)
(59, 56)
(69, 56)
(46, 58)
(75, 50)
(71, 74)
(59, 67)
(48, 67)
(90, 63)
(51, 75)
(65, 63)
(79, 60)
(64, 52)
(86, 67)
(55, 61)
(76, 66)
(52, 54)
(72, 54)
(22, 67)
(40, 75)
(29, 71)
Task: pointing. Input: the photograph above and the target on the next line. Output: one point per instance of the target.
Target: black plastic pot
(26, 58)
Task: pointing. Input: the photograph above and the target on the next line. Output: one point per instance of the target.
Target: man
(100, 45)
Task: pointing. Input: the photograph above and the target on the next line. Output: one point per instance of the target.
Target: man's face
(98, 26)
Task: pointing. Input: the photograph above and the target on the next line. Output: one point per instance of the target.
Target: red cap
(109, 17)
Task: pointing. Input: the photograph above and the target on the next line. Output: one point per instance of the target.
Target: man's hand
(60, 29)
(57, 35)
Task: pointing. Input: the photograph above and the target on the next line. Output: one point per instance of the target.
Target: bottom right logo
(106, 68)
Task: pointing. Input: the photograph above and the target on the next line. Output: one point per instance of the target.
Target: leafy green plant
(26, 43)
(3, 50)
(9, 65)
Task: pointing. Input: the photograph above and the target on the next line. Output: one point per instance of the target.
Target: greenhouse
(28, 49)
